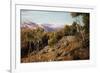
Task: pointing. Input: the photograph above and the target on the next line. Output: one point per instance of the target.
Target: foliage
(85, 19)
(66, 30)
(53, 39)
(57, 41)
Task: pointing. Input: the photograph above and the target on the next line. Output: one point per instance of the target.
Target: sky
(47, 17)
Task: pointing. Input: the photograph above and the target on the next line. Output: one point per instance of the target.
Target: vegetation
(69, 43)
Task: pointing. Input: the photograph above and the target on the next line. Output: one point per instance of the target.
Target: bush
(67, 30)
(53, 39)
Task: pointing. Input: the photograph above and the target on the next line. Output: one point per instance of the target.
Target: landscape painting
(48, 36)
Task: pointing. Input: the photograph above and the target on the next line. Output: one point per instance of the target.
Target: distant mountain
(52, 27)
(29, 25)
(46, 27)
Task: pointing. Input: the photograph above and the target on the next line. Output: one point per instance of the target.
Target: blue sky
(46, 17)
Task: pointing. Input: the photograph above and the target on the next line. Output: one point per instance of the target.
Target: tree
(75, 14)
(66, 30)
(85, 19)
(30, 39)
(73, 28)
(53, 39)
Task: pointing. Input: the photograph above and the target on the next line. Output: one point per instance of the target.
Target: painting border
(13, 61)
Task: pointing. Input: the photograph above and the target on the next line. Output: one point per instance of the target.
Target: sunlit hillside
(70, 42)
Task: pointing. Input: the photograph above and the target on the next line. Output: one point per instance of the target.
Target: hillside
(39, 45)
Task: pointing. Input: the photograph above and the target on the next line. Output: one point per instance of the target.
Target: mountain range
(46, 27)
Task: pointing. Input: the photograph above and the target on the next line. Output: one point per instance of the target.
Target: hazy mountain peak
(46, 27)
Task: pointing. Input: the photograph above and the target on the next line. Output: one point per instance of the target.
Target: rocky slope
(67, 48)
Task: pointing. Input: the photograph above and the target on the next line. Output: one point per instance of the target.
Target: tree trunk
(29, 51)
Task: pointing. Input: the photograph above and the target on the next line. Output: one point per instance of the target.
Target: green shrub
(53, 39)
